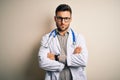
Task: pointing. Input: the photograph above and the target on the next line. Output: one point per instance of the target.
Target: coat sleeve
(46, 63)
(77, 60)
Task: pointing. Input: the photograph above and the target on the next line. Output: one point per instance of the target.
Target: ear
(55, 18)
(70, 19)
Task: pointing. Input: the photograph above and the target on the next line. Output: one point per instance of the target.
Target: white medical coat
(76, 62)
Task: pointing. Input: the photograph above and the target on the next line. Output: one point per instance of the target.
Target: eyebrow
(62, 17)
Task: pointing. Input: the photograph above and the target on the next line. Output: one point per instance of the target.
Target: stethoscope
(53, 34)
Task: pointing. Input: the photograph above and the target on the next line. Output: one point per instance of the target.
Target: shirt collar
(57, 32)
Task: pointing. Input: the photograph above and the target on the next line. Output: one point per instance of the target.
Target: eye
(59, 17)
(66, 18)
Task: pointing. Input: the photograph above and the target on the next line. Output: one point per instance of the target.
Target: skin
(62, 27)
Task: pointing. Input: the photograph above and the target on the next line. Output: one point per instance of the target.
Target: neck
(62, 32)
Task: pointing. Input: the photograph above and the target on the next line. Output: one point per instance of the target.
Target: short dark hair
(63, 7)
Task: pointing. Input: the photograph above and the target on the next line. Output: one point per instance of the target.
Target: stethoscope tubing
(53, 34)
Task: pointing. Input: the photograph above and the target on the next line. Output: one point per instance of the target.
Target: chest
(57, 44)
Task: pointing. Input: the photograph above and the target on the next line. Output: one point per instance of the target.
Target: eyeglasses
(66, 19)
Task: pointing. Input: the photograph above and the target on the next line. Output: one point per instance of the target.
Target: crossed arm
(78, 58)
(51, 56)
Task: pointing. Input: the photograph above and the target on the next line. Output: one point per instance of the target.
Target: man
(63, 53)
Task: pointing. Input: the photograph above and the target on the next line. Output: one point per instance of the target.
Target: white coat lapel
(70, 41)
(70, 48)
(57, 45)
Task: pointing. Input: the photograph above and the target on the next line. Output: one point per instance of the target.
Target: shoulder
(78, 35)
(45, 38)
(52, 33)
(46, 35)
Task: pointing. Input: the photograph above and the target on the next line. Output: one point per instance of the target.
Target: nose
(62, 21)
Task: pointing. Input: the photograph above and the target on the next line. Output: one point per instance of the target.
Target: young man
(63, 53)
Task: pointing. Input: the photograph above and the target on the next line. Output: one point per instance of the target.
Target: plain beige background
(24, 22)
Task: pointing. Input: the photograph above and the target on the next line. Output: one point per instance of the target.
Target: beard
(62, 29)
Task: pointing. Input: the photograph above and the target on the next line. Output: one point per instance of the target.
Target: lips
(63, 26)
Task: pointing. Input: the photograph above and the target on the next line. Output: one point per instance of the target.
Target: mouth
(62, 27)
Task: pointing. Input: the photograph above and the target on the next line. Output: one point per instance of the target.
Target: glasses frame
(60, 19)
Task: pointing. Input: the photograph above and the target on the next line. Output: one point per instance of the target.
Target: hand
(51, 56)
(77, 50)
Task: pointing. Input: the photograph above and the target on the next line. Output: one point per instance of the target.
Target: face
(63, 19)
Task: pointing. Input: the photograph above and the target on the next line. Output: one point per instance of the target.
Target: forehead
(63, 14)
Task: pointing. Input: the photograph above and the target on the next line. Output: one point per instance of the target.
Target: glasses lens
(66, 19)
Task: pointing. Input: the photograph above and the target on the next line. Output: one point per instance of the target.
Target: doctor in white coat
(63, 53)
